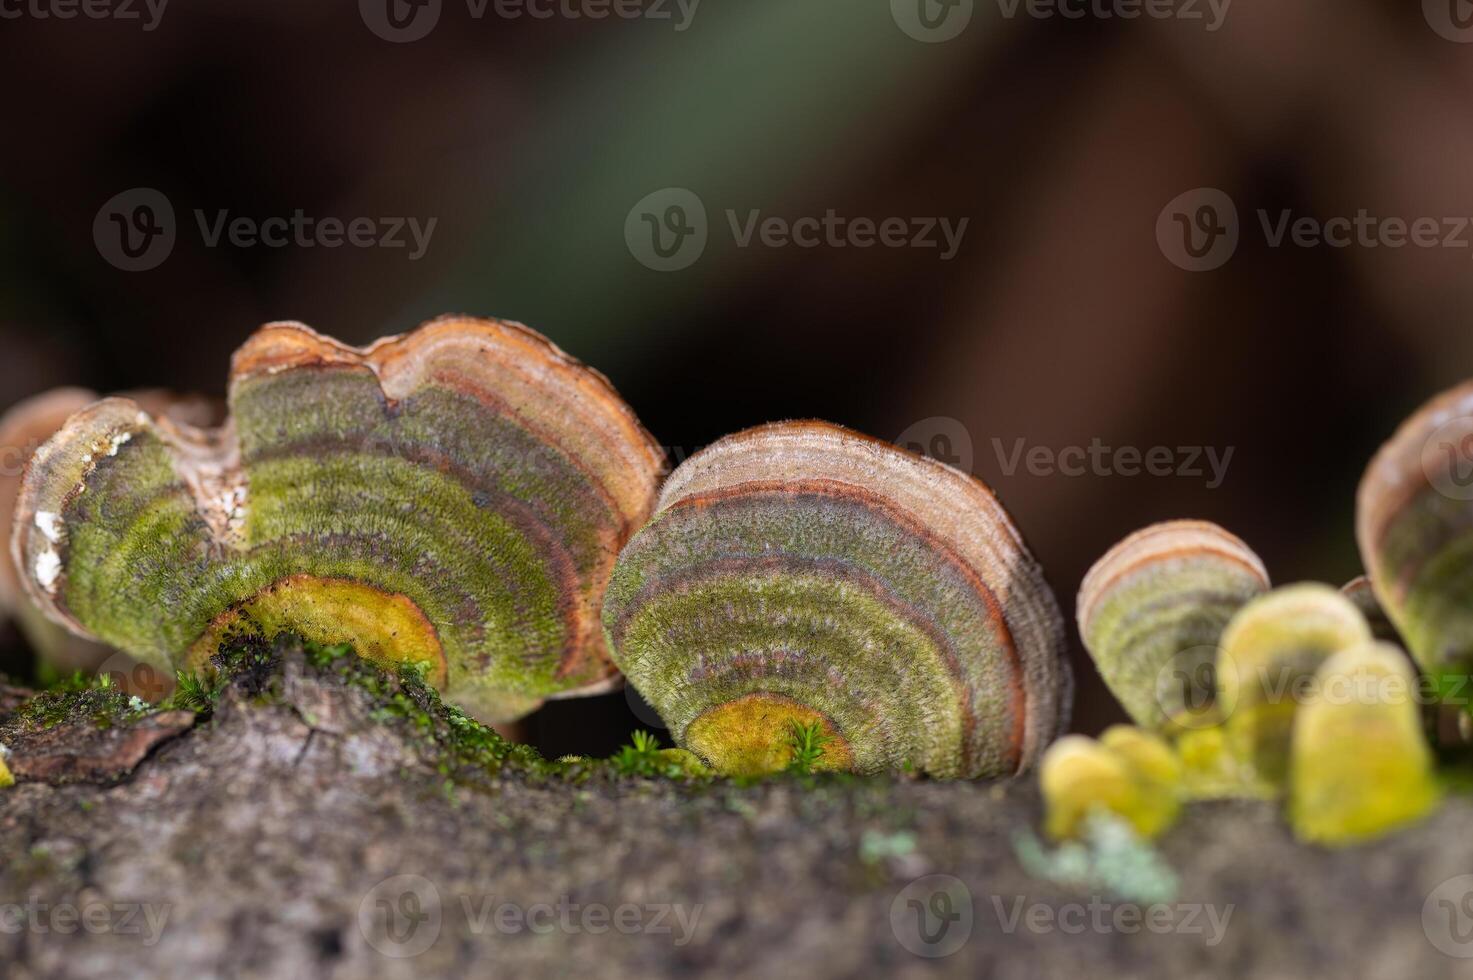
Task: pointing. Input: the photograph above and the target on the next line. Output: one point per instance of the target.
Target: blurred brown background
(1059, 321)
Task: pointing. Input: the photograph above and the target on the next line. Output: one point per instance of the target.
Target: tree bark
(314, 825)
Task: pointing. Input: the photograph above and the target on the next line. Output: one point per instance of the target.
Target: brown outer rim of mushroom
(1395, 477)
(397, 361)
(38, 417)
(1130, 554)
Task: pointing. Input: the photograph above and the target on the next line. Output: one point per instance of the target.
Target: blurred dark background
(1059, 321)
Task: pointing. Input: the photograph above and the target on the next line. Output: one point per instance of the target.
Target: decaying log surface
(303, 830)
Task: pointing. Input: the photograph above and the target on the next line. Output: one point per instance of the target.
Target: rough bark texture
(264, 833)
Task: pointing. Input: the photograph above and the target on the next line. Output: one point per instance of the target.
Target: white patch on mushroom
(48, 568)
(49, 523)
(117, 441)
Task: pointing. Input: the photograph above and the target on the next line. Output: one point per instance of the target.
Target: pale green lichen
(1109, 856)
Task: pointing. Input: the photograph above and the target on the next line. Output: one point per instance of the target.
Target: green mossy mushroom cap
(1270, 652)
(1414, 525)
(1151, 612)
(1361, 765)
(802, 574)
(452, 497)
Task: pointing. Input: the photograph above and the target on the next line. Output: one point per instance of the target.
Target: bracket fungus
(24, 427)
(1151, 612)
(801, 573)
(1360, 591)
(1361, 765)
(1129, 772)
(451, 498)
(1414, 525)
(1270, 650)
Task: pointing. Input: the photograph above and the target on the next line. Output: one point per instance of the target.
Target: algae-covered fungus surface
(452, 498)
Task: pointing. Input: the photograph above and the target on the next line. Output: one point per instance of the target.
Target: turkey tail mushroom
(803, 574)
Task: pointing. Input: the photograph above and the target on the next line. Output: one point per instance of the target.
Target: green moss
(807, 744)
(94, 703)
